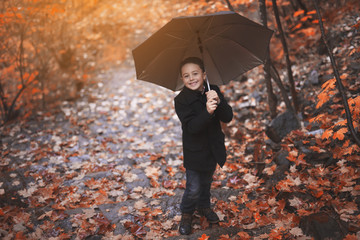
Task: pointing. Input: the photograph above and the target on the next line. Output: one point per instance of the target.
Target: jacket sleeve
(191, 122)
(224, 111)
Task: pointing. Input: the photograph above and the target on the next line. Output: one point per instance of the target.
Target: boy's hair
(194, 60)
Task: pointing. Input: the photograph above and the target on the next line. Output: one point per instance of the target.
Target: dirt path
(106, 165)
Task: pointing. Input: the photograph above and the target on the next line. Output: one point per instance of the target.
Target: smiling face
(193, 77)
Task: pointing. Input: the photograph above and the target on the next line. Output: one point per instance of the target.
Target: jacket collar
(191, 95)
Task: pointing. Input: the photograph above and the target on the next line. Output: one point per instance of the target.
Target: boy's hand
(211, 106)
(212, 94)
(212, 101)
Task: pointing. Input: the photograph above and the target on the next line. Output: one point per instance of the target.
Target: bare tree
(339, 84)
(15, 33)
(230, 5)
(288, 62)
(272, 99)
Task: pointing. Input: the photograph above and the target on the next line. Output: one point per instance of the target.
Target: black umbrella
(228, 43)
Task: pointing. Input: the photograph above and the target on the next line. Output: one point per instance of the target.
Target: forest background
(56, 51)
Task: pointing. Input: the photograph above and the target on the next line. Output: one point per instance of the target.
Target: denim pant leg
(206, 180)
(197, 192)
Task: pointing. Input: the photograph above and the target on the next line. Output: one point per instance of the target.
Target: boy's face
(193, 77)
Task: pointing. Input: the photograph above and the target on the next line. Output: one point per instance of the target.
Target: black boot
(185, 224)
(210, 215)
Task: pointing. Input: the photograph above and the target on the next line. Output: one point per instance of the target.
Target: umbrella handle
(207, 82)
(202, 56)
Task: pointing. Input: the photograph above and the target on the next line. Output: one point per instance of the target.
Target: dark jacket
(203, 139)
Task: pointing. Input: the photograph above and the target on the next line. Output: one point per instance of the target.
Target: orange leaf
(312, 12)
(329, 84)
(352, 51)
(297, 26)
(204, 237)
(354, 104)
(327, 134)
(35, 90)
(32, 76)
(323, 98)
(318, 118)
(340, 134)
(342, 123)
(26, 75)
(315, 148)
(101, 191)
(268, 3)
(349, 150)
(299, 12)
(309, 31)
(303, 19)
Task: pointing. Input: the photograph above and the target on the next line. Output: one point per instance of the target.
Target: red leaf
(20, 236)
(224, 237)
(169, 184)
(58, 207)
(135, 229)
(357, 25)
(244, 235)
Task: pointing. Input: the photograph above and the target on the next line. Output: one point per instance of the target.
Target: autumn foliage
(96, 170)
(39, 55)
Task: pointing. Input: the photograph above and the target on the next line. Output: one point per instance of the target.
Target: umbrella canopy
(228, 43)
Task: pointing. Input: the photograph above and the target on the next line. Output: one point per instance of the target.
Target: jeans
(197, 192)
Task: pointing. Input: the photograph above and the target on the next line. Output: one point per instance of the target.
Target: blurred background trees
(52, 50)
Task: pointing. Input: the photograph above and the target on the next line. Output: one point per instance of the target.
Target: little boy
(200, 111)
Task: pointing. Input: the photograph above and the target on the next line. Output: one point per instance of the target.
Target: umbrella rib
(208, 27)
(229, 39)
(189, 25)
(225, 27)
(176, 37)
(212, 59)
(214, 62)
(215, 35)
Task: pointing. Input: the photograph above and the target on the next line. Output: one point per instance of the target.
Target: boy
(200, 111)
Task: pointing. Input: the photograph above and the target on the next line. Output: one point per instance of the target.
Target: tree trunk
(302, 6)
(272, 100)
(339, 84)
(275, 75)
(288, 63)
(230, 6)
